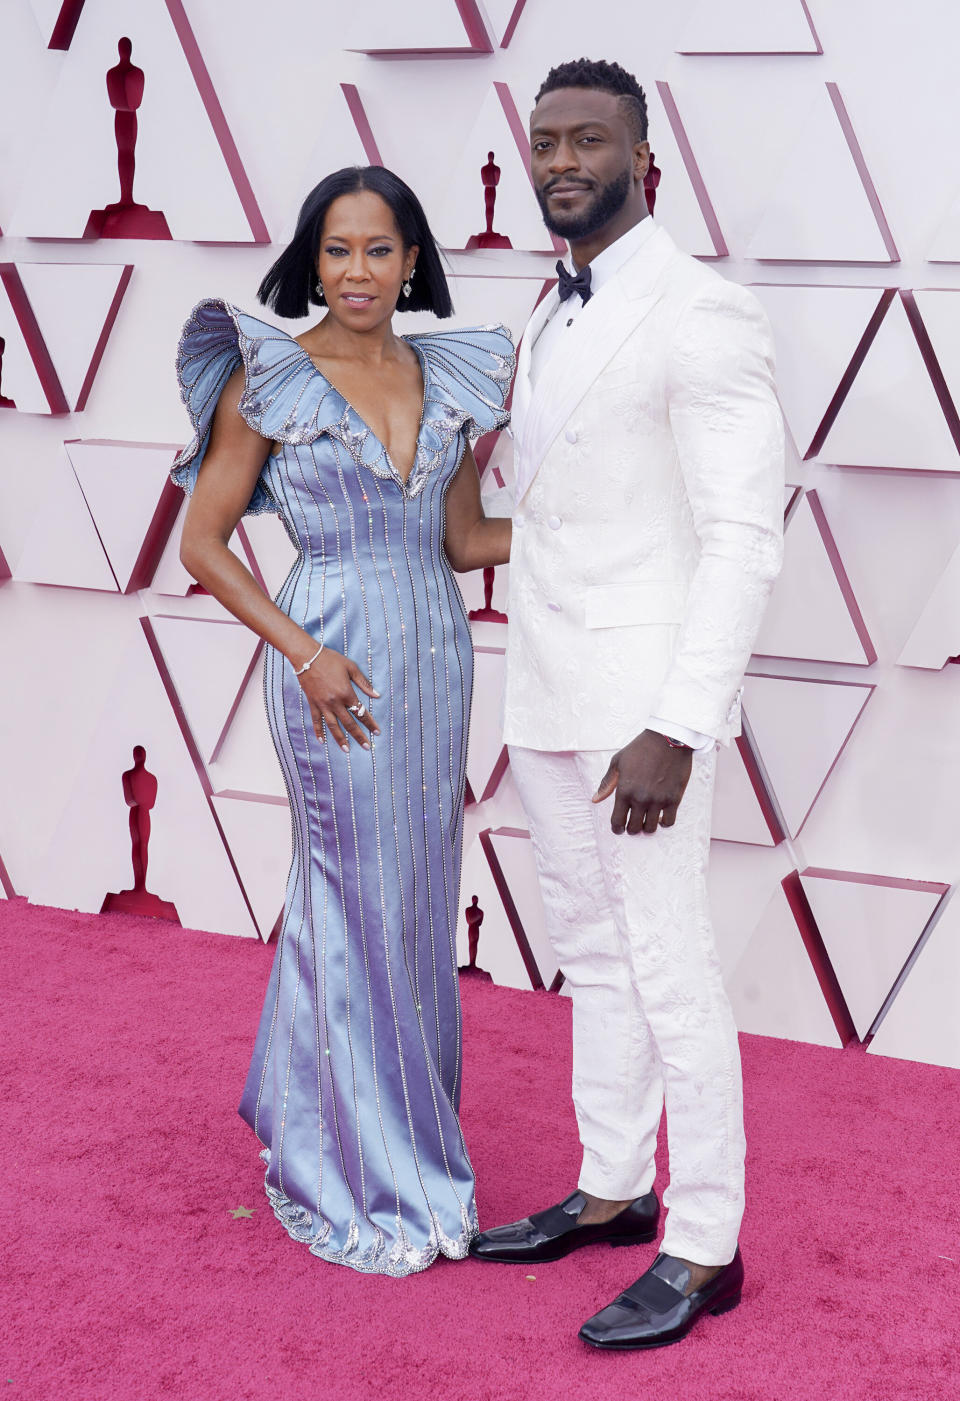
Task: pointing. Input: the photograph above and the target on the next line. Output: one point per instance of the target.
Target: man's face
(582, 160)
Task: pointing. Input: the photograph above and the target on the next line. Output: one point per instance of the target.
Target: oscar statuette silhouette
(490, 175)
(474, 918)
(650, 182)
(126, 218)
(5, 403)
(140, 795)
(487, 614)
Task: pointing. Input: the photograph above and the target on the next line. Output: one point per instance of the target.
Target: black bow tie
(568, 285)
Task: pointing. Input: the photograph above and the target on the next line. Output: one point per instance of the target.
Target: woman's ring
(358, 710)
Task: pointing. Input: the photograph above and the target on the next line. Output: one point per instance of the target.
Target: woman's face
(362, 262)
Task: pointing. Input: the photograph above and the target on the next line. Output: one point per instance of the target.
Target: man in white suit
(647, 531)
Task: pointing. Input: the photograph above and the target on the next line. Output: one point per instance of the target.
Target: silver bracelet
(307, 665)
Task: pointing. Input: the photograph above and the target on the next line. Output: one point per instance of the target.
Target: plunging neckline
(402, 481)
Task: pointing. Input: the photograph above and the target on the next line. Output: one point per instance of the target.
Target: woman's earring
(406, 288)
(320, 291)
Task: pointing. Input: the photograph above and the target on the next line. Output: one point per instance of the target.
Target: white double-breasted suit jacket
(648, 519)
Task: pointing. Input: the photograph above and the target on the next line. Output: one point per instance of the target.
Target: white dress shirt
(604, 266)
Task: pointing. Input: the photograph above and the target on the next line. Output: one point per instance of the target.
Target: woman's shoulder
(488, 348)
(217, 332)
(471, 367)
(283, 396)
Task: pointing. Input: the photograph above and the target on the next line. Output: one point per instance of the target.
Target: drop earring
(319, 290)
(406, 288)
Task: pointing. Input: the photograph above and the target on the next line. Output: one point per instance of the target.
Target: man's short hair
(607, 77)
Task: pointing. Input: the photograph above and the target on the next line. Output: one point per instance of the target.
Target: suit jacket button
(554, 607)
(554, 522)
(570, 436)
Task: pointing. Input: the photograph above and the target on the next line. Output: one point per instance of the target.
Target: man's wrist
(666, 739)
(675, 743)
(670, 729)
(669, 740)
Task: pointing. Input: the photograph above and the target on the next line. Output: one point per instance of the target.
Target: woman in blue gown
(360, 440)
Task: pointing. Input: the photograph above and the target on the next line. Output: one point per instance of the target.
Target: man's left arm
(728, 431)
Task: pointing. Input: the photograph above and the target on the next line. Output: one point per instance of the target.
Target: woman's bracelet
(307, 665)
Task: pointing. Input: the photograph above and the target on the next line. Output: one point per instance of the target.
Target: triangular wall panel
(258, 834)
(813, 614)
(936, 634)
(516, 212)
(891, 416)
(339, 143)
(503, 17)
(486, 752)
(169, 576)
(473, 297)
(62, 545)
(382, 28)
(750, 27)
(922, 1023)
(514, 853)
(76, 305)
(773, 988)
(246, 761)
(29, 377)
(7, 891)
(497, 952)
(937, 311)
(204, 194)
(945, 247)
(738, 815)
(801, 728)
(273, 551)
(210, 664)
(741, 881)
(131, 499)
(188, 864)
(47, 13)
(844, 223)
(869, 925)
(683, 203)
(817, 331)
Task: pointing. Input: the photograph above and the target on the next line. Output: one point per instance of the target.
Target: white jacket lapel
(522, 386)
(605, 323)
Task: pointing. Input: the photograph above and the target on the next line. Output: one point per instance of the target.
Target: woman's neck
(330, 338)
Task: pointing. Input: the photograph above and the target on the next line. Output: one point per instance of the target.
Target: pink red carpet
(127, 1275)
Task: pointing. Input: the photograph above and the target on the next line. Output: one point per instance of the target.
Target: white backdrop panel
(180, 168)
(782, 187)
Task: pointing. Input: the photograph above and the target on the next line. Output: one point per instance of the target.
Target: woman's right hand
(328, 684)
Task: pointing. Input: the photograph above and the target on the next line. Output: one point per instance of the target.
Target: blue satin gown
(355, 1081)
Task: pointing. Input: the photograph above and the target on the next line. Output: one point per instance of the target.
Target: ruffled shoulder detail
(284, 398)
(470, 374)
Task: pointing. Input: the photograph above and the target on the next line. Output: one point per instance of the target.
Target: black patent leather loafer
(656, 1311)
(551, 1234)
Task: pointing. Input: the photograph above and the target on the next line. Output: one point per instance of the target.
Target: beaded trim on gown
(354, 1084)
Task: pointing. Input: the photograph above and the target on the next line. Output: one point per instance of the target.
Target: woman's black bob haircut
(290, 286)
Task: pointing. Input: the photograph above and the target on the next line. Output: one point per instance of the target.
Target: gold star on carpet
(242, 1211)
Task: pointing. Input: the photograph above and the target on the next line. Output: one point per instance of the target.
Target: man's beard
(606, 204)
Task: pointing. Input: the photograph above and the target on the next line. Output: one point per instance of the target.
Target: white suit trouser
(630, 925)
